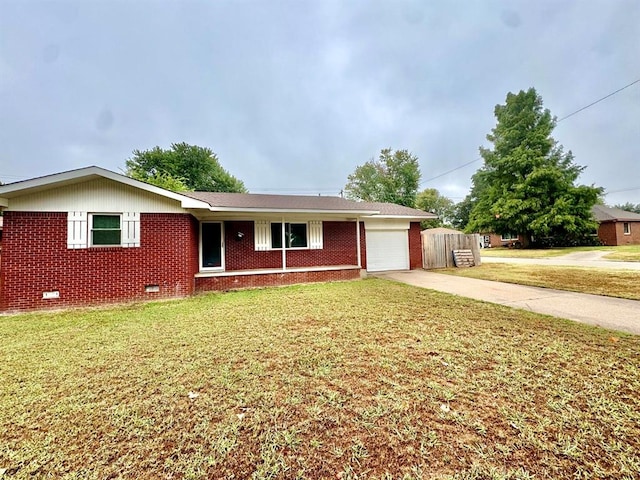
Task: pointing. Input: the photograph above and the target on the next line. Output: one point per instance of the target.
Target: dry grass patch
(625, 253)
(539, 253)
(612, 283)
(369, 379)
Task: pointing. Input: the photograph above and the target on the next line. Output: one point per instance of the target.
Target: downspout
(284, 251)
(358, 242)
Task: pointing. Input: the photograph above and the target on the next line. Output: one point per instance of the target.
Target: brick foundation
(204, 284)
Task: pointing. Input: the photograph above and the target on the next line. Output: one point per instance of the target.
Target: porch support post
(284, 251)
(358, 242)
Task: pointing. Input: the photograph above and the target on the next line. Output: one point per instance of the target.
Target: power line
(558, 121)
(624, 190)
(599, 100)
(452, 170)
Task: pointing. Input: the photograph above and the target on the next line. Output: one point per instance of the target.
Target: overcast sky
(293, 95)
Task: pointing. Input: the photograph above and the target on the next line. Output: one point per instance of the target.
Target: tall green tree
(393, 178)
(628, 207)
(528, 183)
(430, 200)
(182, 167)
(462, 212)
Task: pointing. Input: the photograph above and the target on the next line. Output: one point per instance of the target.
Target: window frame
(91, 229)
(626, 228)
(284, 242)
(511, 237)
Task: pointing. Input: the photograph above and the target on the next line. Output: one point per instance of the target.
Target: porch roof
(264, 203)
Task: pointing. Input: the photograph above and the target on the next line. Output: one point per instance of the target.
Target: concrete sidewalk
(606, 312)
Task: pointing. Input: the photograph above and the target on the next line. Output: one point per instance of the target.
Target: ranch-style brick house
(92, 236)
(617, 227)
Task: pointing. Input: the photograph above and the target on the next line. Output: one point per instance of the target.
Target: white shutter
(131, 229)
(262, 232)
(315, 235)
(76, 230)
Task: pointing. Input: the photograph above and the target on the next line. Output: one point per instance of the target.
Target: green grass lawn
(627, 253)
(359, 380)
(611, 283)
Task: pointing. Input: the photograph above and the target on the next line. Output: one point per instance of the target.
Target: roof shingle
(254, 201)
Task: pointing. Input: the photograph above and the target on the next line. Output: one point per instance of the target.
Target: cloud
(295, 95)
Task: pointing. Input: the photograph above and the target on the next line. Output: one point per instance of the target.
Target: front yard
(366, 379)
(596, 281)
(625, 253)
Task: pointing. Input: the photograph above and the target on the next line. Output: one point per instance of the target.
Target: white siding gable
(101, 195)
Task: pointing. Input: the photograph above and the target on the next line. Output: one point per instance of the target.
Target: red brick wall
(363, 245)
(36, 259)
(415, 246)
(339, 248)
(607, 233)
(612, 233)
(273, 279)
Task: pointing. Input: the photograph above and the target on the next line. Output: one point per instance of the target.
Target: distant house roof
(434, 231)
(609, 214)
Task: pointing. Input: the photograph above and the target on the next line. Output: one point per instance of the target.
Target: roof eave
(290, 210)
(404, 217)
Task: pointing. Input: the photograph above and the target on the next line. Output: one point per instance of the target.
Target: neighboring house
(617, 227)
(489, 240)
(92, 236)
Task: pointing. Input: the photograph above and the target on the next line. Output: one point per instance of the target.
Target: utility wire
(558, 121)
(452, 170)
(624, 190)
(599, 100)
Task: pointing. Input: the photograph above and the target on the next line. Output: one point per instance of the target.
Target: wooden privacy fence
(437, 249)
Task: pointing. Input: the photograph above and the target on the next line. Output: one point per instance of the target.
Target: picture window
(295, 235)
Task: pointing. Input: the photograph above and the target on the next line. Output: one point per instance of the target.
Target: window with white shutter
(103, 229)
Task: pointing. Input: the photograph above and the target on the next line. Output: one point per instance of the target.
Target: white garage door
(387, 250)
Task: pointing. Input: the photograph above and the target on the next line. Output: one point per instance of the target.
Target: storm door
(211, 246)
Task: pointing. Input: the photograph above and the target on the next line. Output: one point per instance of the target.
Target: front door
(211, 246)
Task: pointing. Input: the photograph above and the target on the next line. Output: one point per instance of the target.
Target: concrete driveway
(606, 312)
